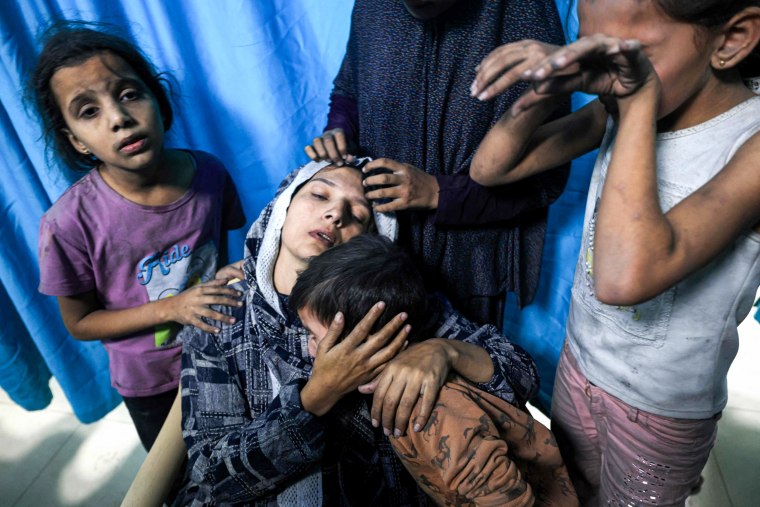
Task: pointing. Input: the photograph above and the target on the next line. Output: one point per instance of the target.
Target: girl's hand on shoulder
(231, 272)
(598, 64)
(404, 186)
(504, 67)
(191, 305)
(332, 145)
(340, 368)
(416, 374)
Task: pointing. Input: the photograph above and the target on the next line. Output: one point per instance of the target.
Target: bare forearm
(631, 228)
(499, 156)
(518, 147)
(108, 324)
(468, 360)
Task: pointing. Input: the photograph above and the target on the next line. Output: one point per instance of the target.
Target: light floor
(48, 458)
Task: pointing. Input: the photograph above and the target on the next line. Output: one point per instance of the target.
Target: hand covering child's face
(326, 211)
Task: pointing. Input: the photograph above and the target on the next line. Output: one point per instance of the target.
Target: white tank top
(670, 355)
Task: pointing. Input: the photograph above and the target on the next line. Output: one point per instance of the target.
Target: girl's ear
(740, 35)
(76, 143)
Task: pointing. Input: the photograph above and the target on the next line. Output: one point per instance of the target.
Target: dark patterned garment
(403, 92)
(249, 440)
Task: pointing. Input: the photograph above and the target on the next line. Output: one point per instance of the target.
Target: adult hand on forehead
(404, 186)
(332, 145)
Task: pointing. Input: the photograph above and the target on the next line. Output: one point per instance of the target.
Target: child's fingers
(333, 332)
(362, 330)
(214, 315)
(592, 46)
(378, 340)
(545, 90)
(203, 326)
(404, 408)
(426, 404)
(383, 355)
(223, 291)
(370, 387)
(498, 62)
(383, 382)
(385, 403)
(209, 300)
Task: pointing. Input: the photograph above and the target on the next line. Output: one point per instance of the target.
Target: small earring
(721, 62)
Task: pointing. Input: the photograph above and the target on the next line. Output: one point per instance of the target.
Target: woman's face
(326, 211)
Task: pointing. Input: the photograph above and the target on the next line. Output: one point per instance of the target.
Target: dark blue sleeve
(462, 202)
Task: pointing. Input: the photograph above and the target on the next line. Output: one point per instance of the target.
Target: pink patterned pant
(618, 455)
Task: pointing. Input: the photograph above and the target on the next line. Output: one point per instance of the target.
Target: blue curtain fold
(253, 79)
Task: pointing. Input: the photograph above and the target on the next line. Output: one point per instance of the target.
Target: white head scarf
(268, 227)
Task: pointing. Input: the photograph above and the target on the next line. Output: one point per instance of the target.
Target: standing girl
(670, 261)
(120, 247)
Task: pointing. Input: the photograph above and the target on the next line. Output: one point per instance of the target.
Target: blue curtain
(540, 326)
(254, 78)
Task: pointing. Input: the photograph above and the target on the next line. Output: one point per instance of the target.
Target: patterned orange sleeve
(478, 450)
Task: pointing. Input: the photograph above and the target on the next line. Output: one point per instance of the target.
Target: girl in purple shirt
(130, 250)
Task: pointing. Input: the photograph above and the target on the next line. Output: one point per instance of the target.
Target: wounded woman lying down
(264, 424)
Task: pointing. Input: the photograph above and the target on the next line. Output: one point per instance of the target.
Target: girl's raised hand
(332, 145)
(340, 368)
(504, 67)
(191, 305)
(598, 64)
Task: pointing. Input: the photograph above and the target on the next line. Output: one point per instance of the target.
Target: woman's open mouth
(323, 237)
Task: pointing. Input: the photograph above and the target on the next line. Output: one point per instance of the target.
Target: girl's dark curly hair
(70, 43)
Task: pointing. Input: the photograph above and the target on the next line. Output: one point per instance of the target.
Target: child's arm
(85, 319)
(518, 145)
(641, 251)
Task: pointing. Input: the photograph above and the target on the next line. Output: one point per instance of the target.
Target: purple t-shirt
(92, 238)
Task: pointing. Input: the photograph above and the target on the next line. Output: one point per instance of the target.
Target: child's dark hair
(353, 276)
(70, 43)
(712, 14)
